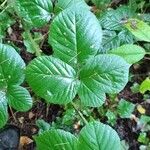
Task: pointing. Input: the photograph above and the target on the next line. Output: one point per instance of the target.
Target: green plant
(11, 76)
(85, 66)
(89, 138)
(76, 69)
(145, 86)
(125, 108)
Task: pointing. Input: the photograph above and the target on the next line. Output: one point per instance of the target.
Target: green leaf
(56, 140)
(102, 74)
(75, 36)
(139, 29)
(94, 136)
(143, 138)
(36, 12)
(131, 53)
(89, 96)
(126, 37)
(7, 21)
(110, 41)
(11, 76)
(30, 42)
(114, 19)
(124, 145)
(42, 125)
(69, 116)
(3, 109)
(133, 5)
(61, 5)
(111, 117)
(135, 88)
(145, 86)
(11, 66)
(125, 108)
(98, 136)
(19, 98)
(52, 79)
(144, 119)
(145, 17)
(101, 3)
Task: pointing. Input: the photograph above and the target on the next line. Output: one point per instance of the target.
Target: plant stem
(148, 53)
(80, 114)
(2, 5)
(47, 110)
(11, 111)
(34, 44)
(4, 9)
(147, 58)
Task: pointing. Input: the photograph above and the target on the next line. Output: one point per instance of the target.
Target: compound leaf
(52, 79)
(11, 76)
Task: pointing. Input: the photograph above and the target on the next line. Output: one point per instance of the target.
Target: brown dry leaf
(24, 140)
(34, 130)
(21, 120)
(31, 115)
(77, 125)
(133, 117)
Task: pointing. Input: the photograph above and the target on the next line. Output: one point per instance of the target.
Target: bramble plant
(11, 76)
(82, 68)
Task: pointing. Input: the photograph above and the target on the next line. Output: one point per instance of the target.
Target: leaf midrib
(54, 76)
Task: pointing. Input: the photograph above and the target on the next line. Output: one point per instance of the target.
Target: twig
(11, 111)
(80, 114)
(3, 4)
(44, 37)
(4, 9)
(147, 58)
(47, 110)
(18, 41)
